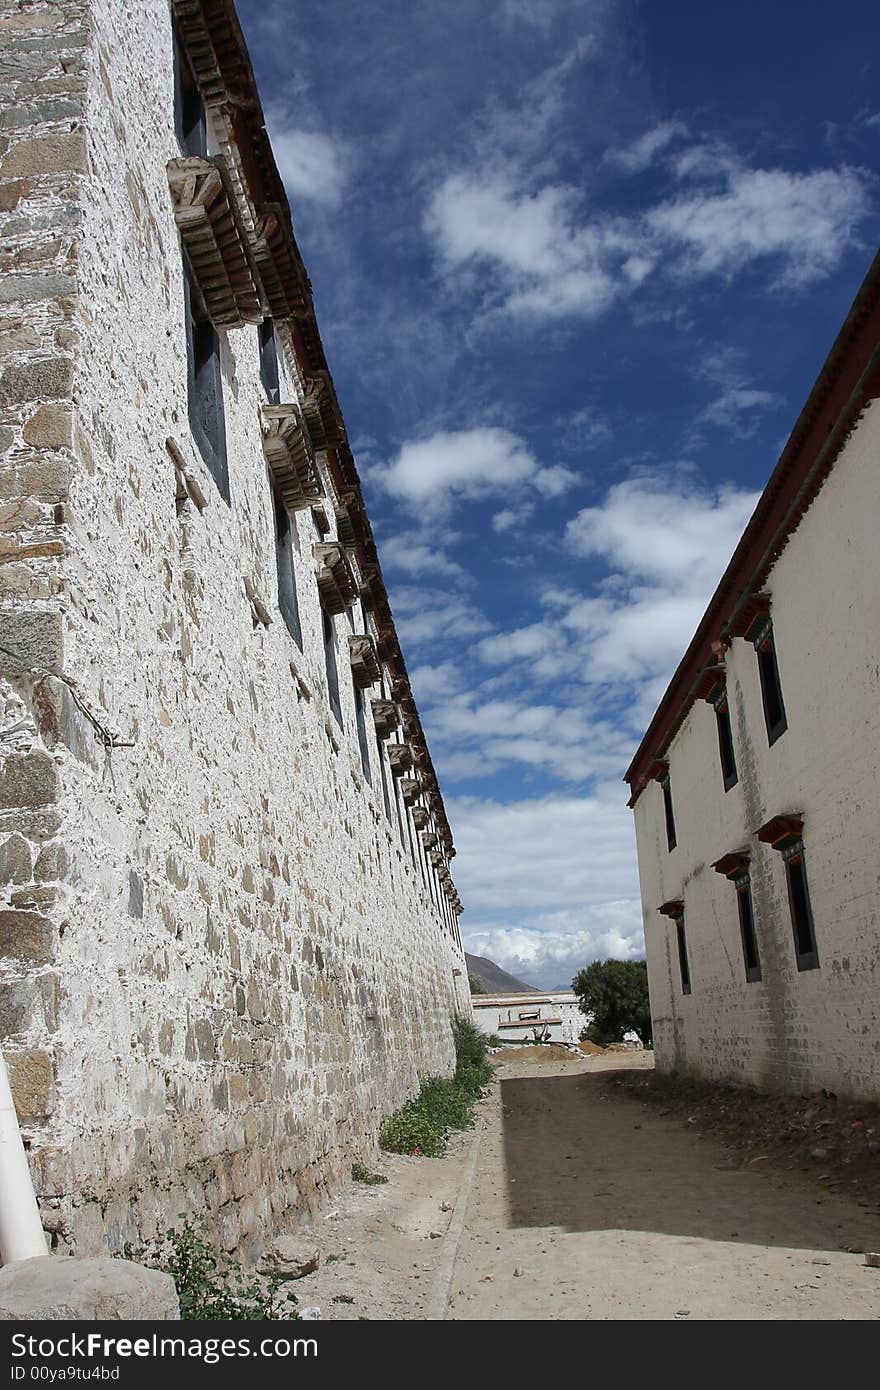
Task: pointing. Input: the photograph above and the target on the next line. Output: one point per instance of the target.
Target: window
(381, 754)
(361, 716)
(668, 812)
(190, 121)
(747, 928)
(725, 742)
(285, 542)
(330, 662)
(683, 965)
(771, 690)
(269, 361)
(205, 385)
(801, 912)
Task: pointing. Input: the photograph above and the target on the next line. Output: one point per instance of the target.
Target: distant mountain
(495, 980)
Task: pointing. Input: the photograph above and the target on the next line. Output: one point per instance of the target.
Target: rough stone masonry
(228, 930)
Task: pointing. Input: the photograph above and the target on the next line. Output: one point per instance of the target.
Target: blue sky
(576, 265)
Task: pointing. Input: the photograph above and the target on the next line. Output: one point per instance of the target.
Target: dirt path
(590, 1206)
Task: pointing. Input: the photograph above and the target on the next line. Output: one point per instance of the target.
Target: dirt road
(584, 1206)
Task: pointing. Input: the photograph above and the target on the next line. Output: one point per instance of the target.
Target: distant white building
(551, 1017)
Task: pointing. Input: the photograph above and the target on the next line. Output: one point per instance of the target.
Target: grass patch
(423, 1125)
(362, 1174)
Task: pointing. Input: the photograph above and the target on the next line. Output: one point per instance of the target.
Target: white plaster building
(756, 789)
(551, 1017)
(228, 928)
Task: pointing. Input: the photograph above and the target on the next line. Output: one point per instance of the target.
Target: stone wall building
(756, 788)
(228, 929)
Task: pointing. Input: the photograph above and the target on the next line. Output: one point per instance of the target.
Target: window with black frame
(806, 950)
(330, 662)
(285, 547)
(204, 383)
(771, 688)
(725, 741)
(751, 956)
(269, 374)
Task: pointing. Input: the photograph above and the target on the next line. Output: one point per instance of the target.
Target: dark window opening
(670, 816)
(384, 777)
(747, 930)
(771, 690)
(269, 361)
(725, 745)
(287, 596)
(396, 791)
(330, 662)
(683, 956)
(801, 914)
(205, 387)
(190, 119)
(361, 716)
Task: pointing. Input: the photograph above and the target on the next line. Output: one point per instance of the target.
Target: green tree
(477, 986)
(614, 995)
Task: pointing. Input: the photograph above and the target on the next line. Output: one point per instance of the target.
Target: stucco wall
(228, 963)
(792, 1030)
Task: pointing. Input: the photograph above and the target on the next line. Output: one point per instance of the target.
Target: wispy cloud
(641, 154)
(314, 165)
(552, 257)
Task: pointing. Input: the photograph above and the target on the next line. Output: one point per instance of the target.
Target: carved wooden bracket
(400, 758)
(215, 241)
(345, 522)
(411, 788)
(282, 280)
(289, 456)
(386, 717)
(421, 817)
(364, 662)
(428, 839)
(336, 583)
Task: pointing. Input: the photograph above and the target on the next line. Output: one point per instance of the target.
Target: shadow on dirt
(581, 1158)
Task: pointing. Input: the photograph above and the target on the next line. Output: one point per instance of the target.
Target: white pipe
(21, 1230)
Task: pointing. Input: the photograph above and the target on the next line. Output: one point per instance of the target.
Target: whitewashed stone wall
(221, 964)
(792, 1030)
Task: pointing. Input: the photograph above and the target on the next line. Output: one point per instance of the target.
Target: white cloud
(739, 408)
(641, 153)
(650, 530)
(411, 555)
(531, 854)
(548, 264)
(549, 949)
(553, 482)
(313, 165)
(426, 616)
(509, 518)
(429, 476)
(436, 682)
(805, 221)
(534, 640)
(551, 257)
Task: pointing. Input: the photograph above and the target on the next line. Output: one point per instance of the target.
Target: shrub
(210, 1286)
(422, 1126)
(360, 1173)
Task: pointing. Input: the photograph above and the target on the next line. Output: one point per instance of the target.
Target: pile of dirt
(591, 1048)
(837, 1141)
(539, 1052)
